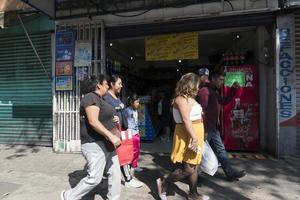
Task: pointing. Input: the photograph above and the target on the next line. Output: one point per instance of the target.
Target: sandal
(162, 195)
(197, 197)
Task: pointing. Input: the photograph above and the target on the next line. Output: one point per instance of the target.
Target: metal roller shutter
(25, 91)
(297, 54)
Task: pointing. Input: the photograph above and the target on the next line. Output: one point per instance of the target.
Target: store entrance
(156, 80)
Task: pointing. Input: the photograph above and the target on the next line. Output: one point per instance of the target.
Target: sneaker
(236, 175)
(133, 183)
(162, 195)
(62, 195)
(137, 169)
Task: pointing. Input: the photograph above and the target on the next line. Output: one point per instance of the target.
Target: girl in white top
(195, 114)
(188, 137)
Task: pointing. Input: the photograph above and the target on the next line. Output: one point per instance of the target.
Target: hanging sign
(172, 47)
(83, 54)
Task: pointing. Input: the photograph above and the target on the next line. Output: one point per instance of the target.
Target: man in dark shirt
(210, 99)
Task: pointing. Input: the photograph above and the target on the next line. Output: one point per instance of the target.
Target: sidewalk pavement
(36, 173)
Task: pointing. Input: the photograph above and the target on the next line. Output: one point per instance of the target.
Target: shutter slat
(25, 91)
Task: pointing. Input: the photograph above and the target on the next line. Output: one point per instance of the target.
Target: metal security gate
(297, 54)
(25, 90)
(66, 135)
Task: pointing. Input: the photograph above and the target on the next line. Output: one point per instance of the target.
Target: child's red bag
(125, 150)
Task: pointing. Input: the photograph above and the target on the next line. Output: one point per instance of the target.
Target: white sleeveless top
(195, 114)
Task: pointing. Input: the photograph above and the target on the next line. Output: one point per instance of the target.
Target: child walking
(132, 118)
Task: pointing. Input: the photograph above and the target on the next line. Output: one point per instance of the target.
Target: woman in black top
(99, 140)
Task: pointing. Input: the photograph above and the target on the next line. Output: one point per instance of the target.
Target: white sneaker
(133, 183)
(137, 169)
(62, 195)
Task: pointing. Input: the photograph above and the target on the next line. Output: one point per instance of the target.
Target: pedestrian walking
(210, 99)
(99, 139)
(163, 113)
(204, 75)
(131, 113)
(112, 97)
(188, 138)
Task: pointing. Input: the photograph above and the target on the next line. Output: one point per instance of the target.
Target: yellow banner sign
(172, 47)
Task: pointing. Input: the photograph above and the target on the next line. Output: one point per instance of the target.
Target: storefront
(221, 42)
(244, 43)
(117, 41)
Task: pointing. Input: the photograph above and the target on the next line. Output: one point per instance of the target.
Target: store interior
(130, 54)
(232, 46)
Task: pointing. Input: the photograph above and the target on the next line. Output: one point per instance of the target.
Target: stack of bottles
(234, 58)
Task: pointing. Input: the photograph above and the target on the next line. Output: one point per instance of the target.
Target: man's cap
(203, 71)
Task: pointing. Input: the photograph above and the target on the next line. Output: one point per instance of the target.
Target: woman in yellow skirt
(188, 137)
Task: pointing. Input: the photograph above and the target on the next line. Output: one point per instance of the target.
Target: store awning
(62, 9)
(247, 20)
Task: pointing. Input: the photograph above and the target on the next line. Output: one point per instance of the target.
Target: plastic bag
(125, 150)
(209, 162)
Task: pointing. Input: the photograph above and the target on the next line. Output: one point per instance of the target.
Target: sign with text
(63, 83)
(232, 77)
(172, 47)
(286, 69)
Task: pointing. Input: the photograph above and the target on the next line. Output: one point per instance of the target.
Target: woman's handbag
(125, 150)
(209, 162)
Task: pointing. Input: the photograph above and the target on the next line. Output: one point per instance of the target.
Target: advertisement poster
(172, 47)
(241, 114)
(63, 83)
(65, 39)
(65, 54)
(64, 68)
(64, 57)
(81, 73)
(83, 54)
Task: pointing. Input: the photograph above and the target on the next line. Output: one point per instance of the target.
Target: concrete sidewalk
(36, 173)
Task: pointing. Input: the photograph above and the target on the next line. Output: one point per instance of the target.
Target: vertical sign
(286, 70)
(64, 60)
(286, 83)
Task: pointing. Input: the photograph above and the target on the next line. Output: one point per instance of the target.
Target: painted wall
(267, 88)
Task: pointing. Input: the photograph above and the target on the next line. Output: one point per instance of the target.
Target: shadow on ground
(21, 150)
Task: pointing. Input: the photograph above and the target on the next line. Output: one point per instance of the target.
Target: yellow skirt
(180, 151)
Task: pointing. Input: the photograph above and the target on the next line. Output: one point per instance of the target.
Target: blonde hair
(187, 86)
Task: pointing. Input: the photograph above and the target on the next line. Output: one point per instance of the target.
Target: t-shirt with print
(116, 103)
(87, 133)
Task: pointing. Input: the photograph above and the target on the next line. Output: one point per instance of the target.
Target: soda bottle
(237, 59)
(242, 58)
